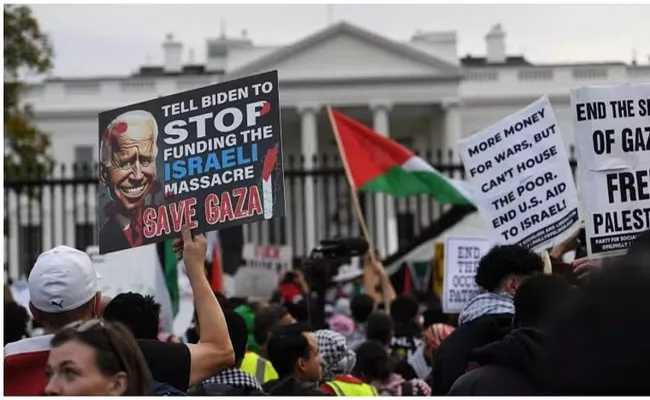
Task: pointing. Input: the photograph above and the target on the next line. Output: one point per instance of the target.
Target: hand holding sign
(193, 249)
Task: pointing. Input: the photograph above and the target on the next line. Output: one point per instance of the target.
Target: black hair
(539, 300)
(600, 345)
(224, 302)
(56, 321)
(373, 362)
(380, 327)
(15, 322)
(299, 310)
(503, 261)
(115, 351)
(265, 320)
(361, 306)
(404, 309)
(287, 345)
(238, 333)
(140, 314)
(433, 314)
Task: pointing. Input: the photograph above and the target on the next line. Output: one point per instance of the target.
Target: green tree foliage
(27, 50)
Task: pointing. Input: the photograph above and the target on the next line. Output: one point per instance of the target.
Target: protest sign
(521, 180)
(259, 277)
(208, 158)
(126, 271)
(462, 255)
(612, 128)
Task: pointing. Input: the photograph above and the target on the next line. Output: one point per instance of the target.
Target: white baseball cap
(62, 279)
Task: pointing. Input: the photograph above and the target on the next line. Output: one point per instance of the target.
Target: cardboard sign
(612, 128)
(462, 255)
(209, 158)
(259, 277)
(521, 180)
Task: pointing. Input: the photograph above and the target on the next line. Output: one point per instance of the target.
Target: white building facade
(420, 93)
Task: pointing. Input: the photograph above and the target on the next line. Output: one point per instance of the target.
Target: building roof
(511, 61)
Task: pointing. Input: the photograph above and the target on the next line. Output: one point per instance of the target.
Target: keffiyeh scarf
(487, 304)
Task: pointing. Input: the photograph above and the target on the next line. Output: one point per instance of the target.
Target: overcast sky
(117, 39)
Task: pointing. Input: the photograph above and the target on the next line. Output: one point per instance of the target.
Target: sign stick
(353, 190)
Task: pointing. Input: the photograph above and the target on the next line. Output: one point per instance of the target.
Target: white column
(452, 127)
(385, 221)
(309, 148)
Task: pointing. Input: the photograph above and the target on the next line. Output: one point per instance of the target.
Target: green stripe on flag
(401, 183)
(171, 275)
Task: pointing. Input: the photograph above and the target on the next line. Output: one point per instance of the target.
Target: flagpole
(353, 190)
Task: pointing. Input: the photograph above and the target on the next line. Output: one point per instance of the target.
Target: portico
(397, 90)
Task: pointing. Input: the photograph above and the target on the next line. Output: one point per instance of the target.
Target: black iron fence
(42, 211)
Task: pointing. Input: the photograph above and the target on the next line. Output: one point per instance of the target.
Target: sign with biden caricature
(208, 158)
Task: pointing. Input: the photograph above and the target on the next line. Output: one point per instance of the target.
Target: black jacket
(453, 356)
(509, 367)
(216, 389)
(289, 386)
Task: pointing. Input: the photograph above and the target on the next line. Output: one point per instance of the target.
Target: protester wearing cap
(63, 289)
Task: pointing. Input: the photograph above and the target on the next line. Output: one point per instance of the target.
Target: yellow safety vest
(259, 367)
(349, 389)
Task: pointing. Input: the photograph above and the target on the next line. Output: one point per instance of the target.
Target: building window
(535, 75)
(84, 157)
(84, 235)
(29, 247)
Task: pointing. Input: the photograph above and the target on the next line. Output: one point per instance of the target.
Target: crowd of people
(527, 333)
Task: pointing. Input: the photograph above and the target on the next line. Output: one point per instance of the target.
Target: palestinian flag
(378, 164)
(169, 264)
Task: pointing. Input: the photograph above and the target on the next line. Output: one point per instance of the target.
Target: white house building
(420, 92)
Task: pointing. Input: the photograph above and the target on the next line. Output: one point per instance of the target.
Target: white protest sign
(521, 180)
(132, 270)
(612, 128)
(259, 277)
(462, 255)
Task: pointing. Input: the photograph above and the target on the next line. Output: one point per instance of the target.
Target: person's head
(599, 346)
(238, 333)
(539, 300)
(337, 357)
(224, 302)
(141, 314)
(433, 314)
(266, 319)
(380, 328)
(128, 159)
(373, 363)
(16, 320)
(506, 267)
(361, 307)
(293, 351)
(404, 309)
(299, 310)
(433, 337)
(96, 358)
(63, 288)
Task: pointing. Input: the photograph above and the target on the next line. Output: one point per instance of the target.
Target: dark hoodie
(452, 357)
(290, 386)
(509, 367)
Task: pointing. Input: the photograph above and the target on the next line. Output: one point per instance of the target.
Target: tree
(27, 50)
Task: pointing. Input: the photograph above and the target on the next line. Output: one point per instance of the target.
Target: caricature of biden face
(128, 167)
